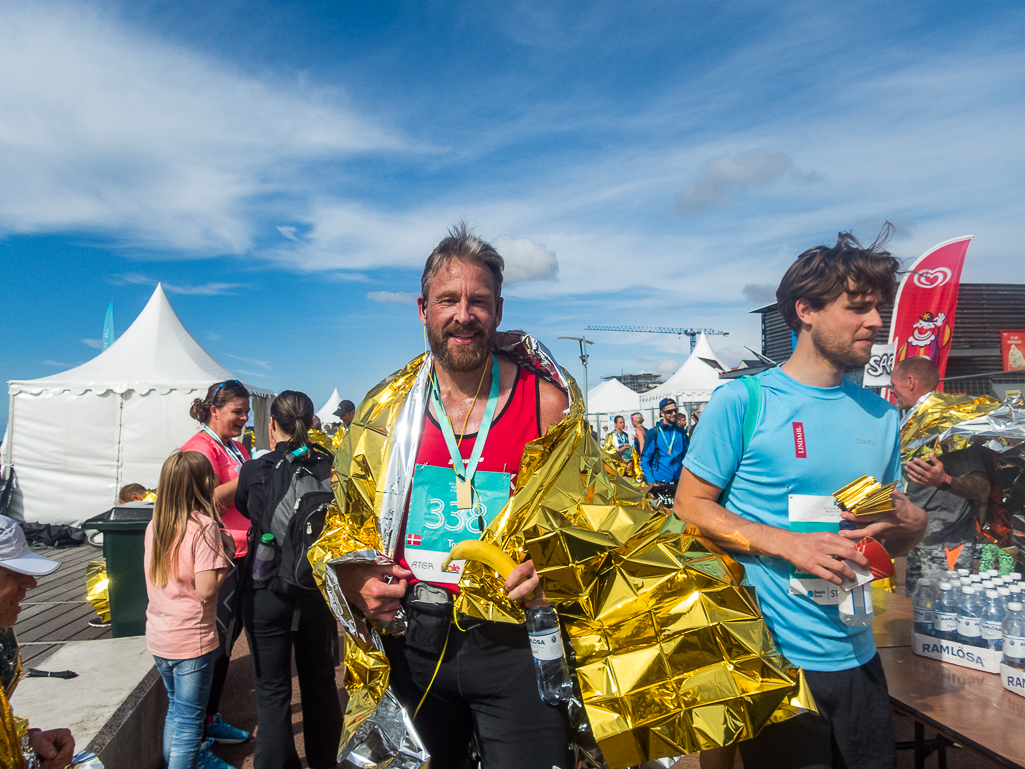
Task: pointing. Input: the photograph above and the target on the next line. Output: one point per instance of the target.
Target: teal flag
(108, 327)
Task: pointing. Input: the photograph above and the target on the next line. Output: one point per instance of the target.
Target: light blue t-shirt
(809, 440)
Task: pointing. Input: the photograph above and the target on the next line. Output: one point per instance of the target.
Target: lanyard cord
(466, 469)
(233, 453)
(668, 445)
(480, 384)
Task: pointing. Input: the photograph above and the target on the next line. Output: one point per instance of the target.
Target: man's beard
(839, 351)
(460, 357)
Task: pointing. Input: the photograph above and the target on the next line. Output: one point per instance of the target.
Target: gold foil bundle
(321, 439)
(672, 655)
(866, 496)
(919, 436)
(631, 470)
(96, 588)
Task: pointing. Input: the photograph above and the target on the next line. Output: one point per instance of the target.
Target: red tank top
(517, 424)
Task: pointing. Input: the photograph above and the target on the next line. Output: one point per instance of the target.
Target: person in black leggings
(278, 620)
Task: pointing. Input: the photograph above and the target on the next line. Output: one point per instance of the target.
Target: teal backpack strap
(751, 418)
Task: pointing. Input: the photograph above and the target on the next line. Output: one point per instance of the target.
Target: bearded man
(470, 679)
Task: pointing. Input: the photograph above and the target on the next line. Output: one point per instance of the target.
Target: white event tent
(693, 382)
(76, 437)
(327, 411)
(609, 399)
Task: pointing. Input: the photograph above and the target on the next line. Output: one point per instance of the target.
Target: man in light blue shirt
(815, 433)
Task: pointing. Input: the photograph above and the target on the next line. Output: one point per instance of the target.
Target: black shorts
(853, 729)
(485, 687)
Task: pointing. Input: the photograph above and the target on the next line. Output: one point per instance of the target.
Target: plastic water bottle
(1014, 636)
(856, 607)
(1005, 597)
(944, 614)
(922, 602)
(993, 620)
(264, 561)
(553, 681)
(969, 621)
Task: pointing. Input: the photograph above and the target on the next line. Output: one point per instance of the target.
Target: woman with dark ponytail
(222, 415)
(281, 617)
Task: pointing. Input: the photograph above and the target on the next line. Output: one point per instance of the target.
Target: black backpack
(301, 490)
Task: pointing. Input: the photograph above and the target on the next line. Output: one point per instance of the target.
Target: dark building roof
(983, 309)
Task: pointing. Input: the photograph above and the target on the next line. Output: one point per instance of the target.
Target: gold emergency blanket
(13, 730)
(96, 588)
(933, 416)
(321, 439)
(671, 652)
(634, 472)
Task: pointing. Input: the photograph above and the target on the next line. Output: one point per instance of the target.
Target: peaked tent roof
(156, 353)
(612, 395)
(694, 380)
(327, 411)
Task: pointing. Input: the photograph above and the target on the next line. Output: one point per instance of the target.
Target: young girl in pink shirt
(185, 563)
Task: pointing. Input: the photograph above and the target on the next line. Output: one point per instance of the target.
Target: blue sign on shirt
(811, 441)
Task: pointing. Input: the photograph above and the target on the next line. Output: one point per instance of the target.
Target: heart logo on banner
(932, 278)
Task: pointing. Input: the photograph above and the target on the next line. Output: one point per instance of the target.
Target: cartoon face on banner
(929, 335)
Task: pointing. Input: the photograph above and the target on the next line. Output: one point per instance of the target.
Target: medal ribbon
(668, 445)
(236, 456)
(466, 470)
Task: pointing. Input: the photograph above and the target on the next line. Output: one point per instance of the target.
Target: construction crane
(691, 332)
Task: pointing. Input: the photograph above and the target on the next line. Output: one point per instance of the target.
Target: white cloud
(396, 297)
(663, 366)
(526, 260)
(760, 293)
(203, 289)
(106, 129)
(288, 232)
(261, 363)
(59, 364)
(211, 336)
(94, 343)
(251, 373)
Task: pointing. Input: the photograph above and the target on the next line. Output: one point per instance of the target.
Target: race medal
(464, 494)
(808, 513)
(436, 522)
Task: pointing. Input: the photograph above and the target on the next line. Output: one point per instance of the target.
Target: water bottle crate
(1013, 679)
(986, 660)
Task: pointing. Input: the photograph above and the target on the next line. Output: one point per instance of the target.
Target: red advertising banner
(923, 315)
(1012, 349)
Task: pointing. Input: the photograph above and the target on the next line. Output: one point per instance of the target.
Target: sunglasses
(225, 382)
(669, 411)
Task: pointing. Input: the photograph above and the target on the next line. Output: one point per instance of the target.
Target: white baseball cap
(16, 555)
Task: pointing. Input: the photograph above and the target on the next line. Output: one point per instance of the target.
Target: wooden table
(962, 705)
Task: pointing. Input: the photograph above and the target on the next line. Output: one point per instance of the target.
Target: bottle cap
(976, 578)
(1014, 606)
(968, 590)
(963, 572)
(988, 584)
(944, 586)
(267, 538)
(1003, 591)
(992, 594)
(1015, 576)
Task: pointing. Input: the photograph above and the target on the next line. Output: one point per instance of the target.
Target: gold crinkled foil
(635, 472)
(934, 416)
(321, 439)
(96, 588)
(671, 652)
(866, 496)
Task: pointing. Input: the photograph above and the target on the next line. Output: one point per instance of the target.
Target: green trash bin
(124, 533)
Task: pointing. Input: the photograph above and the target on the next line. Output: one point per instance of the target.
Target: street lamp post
(583, 359)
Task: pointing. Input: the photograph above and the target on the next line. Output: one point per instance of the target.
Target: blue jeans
(188, 688)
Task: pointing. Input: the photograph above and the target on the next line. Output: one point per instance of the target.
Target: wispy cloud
(724, 178)
(261, 363)
(251, 373)
(204, 289)
(386, 297)
(94, 343)
(760, 293)
(288, 232)
(212, 337)
(59, 364)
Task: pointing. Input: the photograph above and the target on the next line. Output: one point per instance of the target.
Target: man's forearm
(972, 486)
(728, 530)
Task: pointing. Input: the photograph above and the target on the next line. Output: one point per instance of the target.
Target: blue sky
(285, 167)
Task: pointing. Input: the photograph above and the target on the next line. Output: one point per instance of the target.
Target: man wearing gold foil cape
(672, 655)
(20, 746)
(759, 478)
(952, 488)
(476, 681)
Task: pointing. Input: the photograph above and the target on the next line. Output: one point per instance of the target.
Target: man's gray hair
(462, 243)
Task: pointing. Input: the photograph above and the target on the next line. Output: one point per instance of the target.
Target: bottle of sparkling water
(553, 680)
(993, 620)
(944, 614)
(1014, 636)
(969, 623)
(922, 603)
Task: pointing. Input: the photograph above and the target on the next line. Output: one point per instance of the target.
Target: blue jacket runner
(664, 449)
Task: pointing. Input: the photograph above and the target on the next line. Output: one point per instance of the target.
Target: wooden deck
(56, 611)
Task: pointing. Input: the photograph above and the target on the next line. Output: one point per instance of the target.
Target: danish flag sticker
(413, 540)
(800, 446)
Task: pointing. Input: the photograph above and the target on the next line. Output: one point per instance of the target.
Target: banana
(485, 552)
